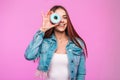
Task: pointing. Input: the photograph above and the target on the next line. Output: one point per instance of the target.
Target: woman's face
(63, 23)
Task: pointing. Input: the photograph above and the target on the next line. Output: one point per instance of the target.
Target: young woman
(61, 51)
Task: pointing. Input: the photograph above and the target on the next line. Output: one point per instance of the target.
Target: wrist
(42, 29)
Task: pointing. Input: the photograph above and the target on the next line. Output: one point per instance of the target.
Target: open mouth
(62, 25)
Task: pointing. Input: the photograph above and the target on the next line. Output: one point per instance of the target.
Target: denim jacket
(45, 47)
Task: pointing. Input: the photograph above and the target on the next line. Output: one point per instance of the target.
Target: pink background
(97, 21)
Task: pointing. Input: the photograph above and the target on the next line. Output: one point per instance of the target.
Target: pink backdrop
(97, 21)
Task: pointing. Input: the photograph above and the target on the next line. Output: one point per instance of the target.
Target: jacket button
(71, 71)
(71, 61)
(72, 79)
(46, 67)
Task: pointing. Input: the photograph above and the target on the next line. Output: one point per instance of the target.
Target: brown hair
(70, 31)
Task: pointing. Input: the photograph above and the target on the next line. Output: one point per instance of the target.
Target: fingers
(49, 12)
(45, 76)
(42, 14)
(37, 74)
(55, 25)
(40, 75)
(45, 16)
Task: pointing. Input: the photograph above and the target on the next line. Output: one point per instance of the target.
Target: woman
(61, 50)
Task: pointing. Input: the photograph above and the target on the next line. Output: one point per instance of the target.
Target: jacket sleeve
(32, 50)
(82, 64)
(81, 68)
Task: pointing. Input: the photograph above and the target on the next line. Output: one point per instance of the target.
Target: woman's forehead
(60, 11)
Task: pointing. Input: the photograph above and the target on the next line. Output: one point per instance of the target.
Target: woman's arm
(82, 63)
(81, 68)
(31, 51)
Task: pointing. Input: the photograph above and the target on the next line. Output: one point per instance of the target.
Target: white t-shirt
(58, 67)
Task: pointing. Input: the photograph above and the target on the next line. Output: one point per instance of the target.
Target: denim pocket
(76, 59)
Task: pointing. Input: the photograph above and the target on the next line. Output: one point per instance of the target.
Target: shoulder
(81, 42)
(83, 45)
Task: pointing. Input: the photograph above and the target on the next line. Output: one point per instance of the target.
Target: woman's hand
(41, 75)
(46, 25)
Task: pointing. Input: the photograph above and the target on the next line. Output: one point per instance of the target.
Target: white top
(58, 67)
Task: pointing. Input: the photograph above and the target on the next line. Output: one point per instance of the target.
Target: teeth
(61, 24)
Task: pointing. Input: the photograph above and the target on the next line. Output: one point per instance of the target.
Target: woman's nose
(62, 20)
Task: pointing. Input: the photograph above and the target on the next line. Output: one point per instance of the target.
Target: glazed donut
(55, 18)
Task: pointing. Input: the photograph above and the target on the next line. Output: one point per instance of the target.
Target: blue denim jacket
(45, 47)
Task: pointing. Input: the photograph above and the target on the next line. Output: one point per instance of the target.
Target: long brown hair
(70, 31)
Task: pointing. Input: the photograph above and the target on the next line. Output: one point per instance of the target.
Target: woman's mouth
(62, 25)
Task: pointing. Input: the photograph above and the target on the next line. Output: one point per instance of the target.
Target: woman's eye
(65, 17)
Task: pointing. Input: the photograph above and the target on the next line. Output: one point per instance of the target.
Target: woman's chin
(60, 30)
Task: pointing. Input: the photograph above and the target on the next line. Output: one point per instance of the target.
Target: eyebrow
(65, 15)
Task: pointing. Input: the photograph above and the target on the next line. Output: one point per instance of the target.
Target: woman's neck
(61, 36)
